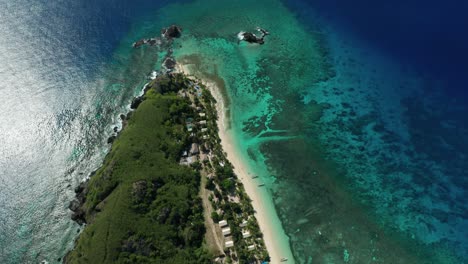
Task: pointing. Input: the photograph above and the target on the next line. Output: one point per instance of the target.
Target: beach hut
(222, 223)
(244, 223)
(251, 247)
(202, 122)
(229, 244)
(226, 231)
(203, 130)
(246, 234)
(202, 114)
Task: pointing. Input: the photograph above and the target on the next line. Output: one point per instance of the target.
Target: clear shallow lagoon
(363, 151)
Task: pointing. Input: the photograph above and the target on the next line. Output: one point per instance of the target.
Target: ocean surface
(353, 113)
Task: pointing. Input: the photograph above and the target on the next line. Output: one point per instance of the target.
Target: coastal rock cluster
(164, 42)
(252, 38)
(76, 206)
(171, 32)
(167, 34)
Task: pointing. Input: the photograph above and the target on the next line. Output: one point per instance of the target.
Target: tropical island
(166, 192)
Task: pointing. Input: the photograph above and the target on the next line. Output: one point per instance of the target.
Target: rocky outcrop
(139, 43)
(76, 206)
(252, 38)
(171, 32)
(136, 102)
(111, 139)
(169, 63)
(167, 34)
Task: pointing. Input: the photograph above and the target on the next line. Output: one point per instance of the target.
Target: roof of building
(246, 234)
(226, 231)
(229, 244)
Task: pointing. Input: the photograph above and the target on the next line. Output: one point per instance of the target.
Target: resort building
(229, 244)
(246, 234)
(226, 231)
(244, 223)
(251, 247)
(223, 223)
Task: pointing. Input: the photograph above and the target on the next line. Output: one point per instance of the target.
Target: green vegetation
(224, 186)
(141, 206)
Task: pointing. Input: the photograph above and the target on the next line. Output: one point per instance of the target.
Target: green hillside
(141, 206)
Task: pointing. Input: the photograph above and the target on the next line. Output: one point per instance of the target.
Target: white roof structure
(251, 247)
(244, 223)
(222, 223)
(202, 114)
(226, 231)
(246, 234)
(229, 244)
(204, 130)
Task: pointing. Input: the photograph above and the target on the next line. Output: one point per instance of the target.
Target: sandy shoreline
(276, 241)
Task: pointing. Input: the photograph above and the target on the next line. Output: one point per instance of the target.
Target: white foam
(240, 35)
(153, 75)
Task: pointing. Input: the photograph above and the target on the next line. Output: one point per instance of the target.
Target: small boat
(261, 184)
(284, 259)
(255, 177)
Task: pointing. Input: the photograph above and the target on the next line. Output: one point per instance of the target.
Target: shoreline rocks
(167, 34)
(171, 32)
(76, 206)
(252, 38)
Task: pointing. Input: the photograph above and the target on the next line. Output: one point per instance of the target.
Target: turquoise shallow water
(334, 128)
(363, 158)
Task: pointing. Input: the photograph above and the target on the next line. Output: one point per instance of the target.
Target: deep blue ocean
(429, 36)
(67, 72)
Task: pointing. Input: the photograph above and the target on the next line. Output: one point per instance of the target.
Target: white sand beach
(276, 240)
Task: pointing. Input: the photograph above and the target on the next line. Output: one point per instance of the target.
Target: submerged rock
(139, 43)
